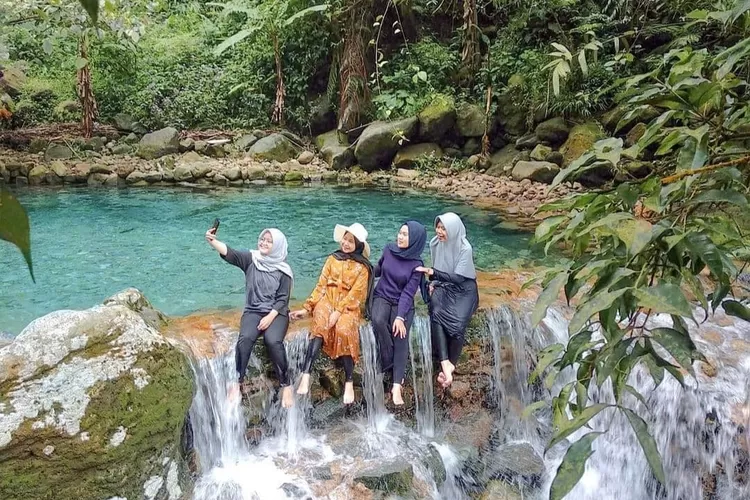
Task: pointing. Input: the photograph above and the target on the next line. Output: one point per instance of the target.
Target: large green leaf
(593, 305)
(570, 426)
(734, 308)
(572, 467)
(14, 226)
(546, 357)
(679, 345)
(304, 12)
(635, 233)
(92, 8)
(722, 196)
(664, 298)
(647, 444)
(548, 296)
(727, 59)
(702, 247)
(233, 40)
(547, 226)
(577, 344)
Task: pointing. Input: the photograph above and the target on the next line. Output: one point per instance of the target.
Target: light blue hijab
(455, 255)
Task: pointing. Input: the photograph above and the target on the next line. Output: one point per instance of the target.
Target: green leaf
(632, 390)
(548, 296)
(572, 466)
(696, 287)
(647, 444)
(233, 40)
(635, 233)
(537, 405)
(664, 298)
(734, 308)
(701, 247)
(92, 8)
(721, 196)
(679, 345)
(546, 357)
(547, 226)
(727, 59)
(573, 425)
(592, 306)
(81, 63)
(14, 226)
(47, 46)
(619, 351)
(304, 12)
(577, 344)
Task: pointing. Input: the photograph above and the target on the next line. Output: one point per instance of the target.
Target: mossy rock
(94, 405)
(581, 138)
(294, 177)
(437, 119)
(390, 476)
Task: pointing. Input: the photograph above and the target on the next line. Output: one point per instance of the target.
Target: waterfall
(230, 470)
(420, 354)
(377, 415)
(699, 430)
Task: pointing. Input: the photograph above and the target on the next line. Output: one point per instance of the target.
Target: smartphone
(215, 227)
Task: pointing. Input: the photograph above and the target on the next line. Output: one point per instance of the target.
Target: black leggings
(394, 350)
(444, 346)
(273, 337)
(313, 349)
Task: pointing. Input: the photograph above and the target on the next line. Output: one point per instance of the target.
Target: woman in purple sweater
(392, 309)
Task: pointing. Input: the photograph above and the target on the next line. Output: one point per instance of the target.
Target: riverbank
(517, 201)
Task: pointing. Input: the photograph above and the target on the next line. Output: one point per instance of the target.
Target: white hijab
(454, 255)
(276, 258)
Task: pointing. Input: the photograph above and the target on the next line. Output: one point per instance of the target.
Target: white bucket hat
(357, 230)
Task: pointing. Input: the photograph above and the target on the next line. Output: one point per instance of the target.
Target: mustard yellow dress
(342, 287)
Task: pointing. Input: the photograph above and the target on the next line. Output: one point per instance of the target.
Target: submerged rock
(92, 404)
(390, 476)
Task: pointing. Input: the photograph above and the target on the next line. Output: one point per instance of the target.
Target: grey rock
(274, 147)
(58, 152)
(389, 476)
(127, 123)
(553, 131)
(379, 142)
(528, 141)
(470, 120)
(436, 119)
(306, 157)
(244, 142)
(338, 156)
(539, 171)
(160, 143)
(407, 157)
(233, 173)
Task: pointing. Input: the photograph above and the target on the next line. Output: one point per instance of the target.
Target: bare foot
(233, 391)
(396, 393)
(287, 398)
(304, 385)
(348, 393)
(447, 373)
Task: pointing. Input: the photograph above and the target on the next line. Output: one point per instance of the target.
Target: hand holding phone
(215, 226)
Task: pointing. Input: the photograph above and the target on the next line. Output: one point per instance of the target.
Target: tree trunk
(85, 91)
(470, 54)
(278, 105)
(354, 92)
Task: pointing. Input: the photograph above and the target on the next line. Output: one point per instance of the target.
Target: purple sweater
(398, 282)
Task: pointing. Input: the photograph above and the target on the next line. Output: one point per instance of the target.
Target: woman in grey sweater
(268, 285)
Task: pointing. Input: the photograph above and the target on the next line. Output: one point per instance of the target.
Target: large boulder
(553, 131)
(92, 404)
(160, 143)
(338, 156)
(38, 175)
(127, 123)
(501, 162)
(470, 120)
(322, 115)
(12, 81)
(510, 115)
(539, 171)
(408, 156)
(437, 119)
(274, 147)
(581, 138)
(245, 142)
(57, 152)
(379, 142)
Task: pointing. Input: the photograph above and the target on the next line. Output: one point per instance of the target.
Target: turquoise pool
(90, 243)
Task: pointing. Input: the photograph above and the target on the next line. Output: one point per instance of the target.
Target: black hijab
(357, 256)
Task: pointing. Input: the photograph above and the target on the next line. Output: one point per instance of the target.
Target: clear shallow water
(90, 243)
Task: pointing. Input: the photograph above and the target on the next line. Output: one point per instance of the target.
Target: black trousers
(393, 350)
(273, 337)
(444, 346)
(313, 350)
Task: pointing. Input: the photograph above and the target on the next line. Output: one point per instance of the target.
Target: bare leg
(396, 393)
(304, 385)
(313, 349)
(287, 398)
(448, 369)
(348, 393)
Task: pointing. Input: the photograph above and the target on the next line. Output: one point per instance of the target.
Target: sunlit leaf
(304, 12)
(572, 466)
(736, 309)
(233, 40)
(14, 226)
(664, 298)
(635, 233)
(593, 305)
(548, 296)
(647, 444)
(537, 405)
(570, 426)
(546, 357)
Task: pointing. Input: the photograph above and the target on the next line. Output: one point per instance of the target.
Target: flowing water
(420, 355)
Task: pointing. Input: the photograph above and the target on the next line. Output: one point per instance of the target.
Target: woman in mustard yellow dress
(336, 305)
